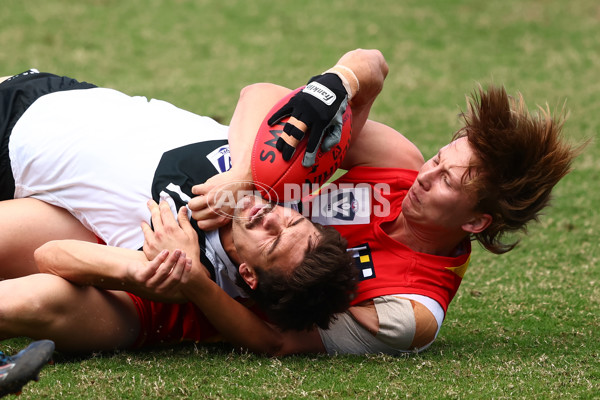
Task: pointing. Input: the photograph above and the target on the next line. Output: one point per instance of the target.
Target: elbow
(382, 65)
(271, 344)
(274, 348)
(372, 58)
(257, 90)
(379, 67)
(278, 349)
(258, 98)
(45, 257)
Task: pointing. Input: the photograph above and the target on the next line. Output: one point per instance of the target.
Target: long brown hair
(520, 156)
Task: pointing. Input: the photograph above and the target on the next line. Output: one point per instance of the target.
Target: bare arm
(378, 145)
(81, 262)
(155, 273)
(254, 103)
(242, 327)
(374, 144)
(370, 69)
(111, 268)
(114, 268)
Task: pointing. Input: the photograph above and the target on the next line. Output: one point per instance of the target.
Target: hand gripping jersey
(360, 202)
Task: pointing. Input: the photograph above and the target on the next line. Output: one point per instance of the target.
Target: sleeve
(397, 329)
(397, 324)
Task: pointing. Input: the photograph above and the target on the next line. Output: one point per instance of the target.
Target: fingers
(293, 132)
(333, 133)
(332, 138)
(201, 189)
(207, 218)
(176, 273)
(155, 214)
(212, 223)
(166, 216)
(149, 247)
(200, 206)
(161, 271)
(147, 230)
(287, 150)
(292, 135)
(169, 273)
(182, 218)
(144, 274)
(315, 138)
(324, 136)
(281, 113)
(162, 218)
(198, 203)
(180, 274)
(187, 272)
(184, 221)
(298, 124)
(168, 232)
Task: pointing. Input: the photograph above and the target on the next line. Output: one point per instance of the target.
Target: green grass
(523, 325)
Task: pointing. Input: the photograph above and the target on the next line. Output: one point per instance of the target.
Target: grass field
(523, 325)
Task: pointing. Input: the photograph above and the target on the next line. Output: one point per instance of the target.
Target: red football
(282, 181)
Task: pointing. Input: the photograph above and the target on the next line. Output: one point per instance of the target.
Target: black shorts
(16, 95)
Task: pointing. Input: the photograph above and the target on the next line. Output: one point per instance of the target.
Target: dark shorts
(16, 95)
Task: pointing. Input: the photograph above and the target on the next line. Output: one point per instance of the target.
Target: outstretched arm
(115, 268)
(155, 274)
(242, 327)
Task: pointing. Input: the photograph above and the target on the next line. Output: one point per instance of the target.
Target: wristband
(339, 70)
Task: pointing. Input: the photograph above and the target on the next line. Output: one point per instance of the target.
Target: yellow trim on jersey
(461, 269)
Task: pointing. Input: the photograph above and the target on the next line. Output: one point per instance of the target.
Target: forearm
(370, 70)
(87, 263)
(237, 324)
(372, 143)
(253, 105)
(243, 328)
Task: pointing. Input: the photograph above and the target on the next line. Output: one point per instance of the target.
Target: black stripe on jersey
(178, 171)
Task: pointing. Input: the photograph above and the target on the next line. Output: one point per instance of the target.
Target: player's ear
(478, 223)
(249, 275)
